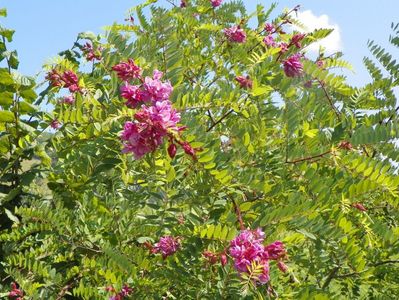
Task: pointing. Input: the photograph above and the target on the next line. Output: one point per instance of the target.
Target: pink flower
(15, 292)
(269, 27)
(216, 3)
(275, 250)
(55, 124)
(71, 81)
(244, 81)
(132, 93)
(140, 139)
(70, 99)
(167, 246)
(320, 63)
(269, 41)
(235, 34)
(90, 53)
(155, 89)
(293, 66)
(54, 77)
(296, 39)
(127, 70)
(151, 125)
(283, 47)
(246, 249)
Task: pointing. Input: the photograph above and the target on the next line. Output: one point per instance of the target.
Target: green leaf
(11, 216)
(261, 90)
(6, 116)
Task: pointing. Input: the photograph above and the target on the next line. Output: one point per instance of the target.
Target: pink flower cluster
(235, 34)
(167, 246)
(216, 3)
(67, 79)
(293, 66)
(151, 90)
(247, 248)
(151, 125)
(15, 293)
(91, 53)
(245, 82)
(127, 70)
(156, 118)
(124, 292)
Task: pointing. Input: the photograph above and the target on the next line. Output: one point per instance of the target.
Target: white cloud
(332, 42)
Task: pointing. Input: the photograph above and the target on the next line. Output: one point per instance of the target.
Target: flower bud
(282, 266)
(172, 150)
(223, 259)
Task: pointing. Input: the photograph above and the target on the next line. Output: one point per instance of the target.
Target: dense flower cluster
(269, 41)
(293, 66)
(167, 246)
(152, 123)
(216, 3)
(124, 292)
(248, 249)
(235, 34)
(91, 53)
(127, 70)
(67, 79)
(156, 118)
(15, 293)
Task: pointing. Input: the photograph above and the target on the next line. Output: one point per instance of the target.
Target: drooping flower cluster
(167, 246)
(216, 3)
(152, 124)
(156, 118)
(235, 34)
(248, 249)
(15, 293)
(152, 90)
(293, 66)
(127, 70)
(126, 291)
(91, 53)
(67, 79)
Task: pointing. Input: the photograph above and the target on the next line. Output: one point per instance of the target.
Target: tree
(181, 138)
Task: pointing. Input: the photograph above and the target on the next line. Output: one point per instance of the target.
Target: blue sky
(45, 27)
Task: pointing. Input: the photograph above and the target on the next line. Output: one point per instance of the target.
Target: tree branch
(220, 120)
(308, 158)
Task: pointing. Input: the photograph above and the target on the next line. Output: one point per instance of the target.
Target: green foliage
(78, 216)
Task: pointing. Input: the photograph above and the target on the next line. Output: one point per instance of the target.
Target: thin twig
(238, 214)
(308, 158)
(220, 120)
(329, 99)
